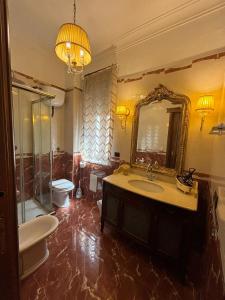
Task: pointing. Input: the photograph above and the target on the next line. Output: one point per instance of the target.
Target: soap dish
(184, 188)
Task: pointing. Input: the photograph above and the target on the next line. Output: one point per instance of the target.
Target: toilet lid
(62, 184)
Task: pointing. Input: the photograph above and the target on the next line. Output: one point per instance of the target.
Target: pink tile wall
(28, 175)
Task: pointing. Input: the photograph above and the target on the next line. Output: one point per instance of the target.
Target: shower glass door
(33, 161)
(41, 113)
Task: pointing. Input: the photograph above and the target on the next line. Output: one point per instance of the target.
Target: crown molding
(160, 17)
(146, 37)
(106, 51)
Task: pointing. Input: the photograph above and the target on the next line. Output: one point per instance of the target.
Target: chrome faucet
(150, 168)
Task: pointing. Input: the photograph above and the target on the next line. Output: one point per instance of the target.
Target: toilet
(61, 189)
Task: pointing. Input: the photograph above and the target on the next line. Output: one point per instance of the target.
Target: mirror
(160, 131)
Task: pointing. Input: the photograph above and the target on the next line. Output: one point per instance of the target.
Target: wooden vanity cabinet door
(111, 206)
(169, 232)
(136, 218)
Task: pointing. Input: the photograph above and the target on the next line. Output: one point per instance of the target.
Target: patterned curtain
(98, 110)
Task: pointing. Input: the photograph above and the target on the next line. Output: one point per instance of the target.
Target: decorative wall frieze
(171, 70)
(124, 79)
(37, 82)
(34, 80)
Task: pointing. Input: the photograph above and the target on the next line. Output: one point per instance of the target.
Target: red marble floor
(86, 264)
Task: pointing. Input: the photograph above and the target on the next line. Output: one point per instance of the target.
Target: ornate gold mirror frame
(158, 94)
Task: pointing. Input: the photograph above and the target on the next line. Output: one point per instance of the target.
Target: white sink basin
(146, 186)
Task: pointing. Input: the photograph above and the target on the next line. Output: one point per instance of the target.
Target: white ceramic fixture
(33, 249)
(61, 189)
(147, 186)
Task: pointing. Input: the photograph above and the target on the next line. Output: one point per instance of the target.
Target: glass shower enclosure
(33, 153)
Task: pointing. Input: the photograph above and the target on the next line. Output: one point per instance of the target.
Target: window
(97, 110)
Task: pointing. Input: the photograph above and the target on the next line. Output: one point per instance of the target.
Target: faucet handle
(156, 164)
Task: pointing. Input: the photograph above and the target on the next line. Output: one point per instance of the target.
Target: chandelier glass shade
(72, 46)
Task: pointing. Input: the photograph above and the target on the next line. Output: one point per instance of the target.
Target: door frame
(9, 268)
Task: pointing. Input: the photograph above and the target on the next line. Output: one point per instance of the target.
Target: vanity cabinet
(136, 219)
(164, 229)
(169, 230)
(112, 209)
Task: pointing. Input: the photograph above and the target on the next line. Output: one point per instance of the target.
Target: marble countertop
(171, 195)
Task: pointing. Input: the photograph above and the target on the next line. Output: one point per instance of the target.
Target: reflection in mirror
(159, 132)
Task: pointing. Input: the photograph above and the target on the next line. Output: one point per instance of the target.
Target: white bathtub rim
(26, 245)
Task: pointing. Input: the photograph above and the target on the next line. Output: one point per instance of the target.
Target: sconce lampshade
(72, 45)
(122, 110)
(205, 104)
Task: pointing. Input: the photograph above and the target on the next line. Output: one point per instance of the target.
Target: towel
(93, 183)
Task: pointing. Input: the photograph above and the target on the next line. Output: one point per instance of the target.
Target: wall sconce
(123, 112)
(205, 106)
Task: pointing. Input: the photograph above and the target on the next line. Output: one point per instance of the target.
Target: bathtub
(33, 250)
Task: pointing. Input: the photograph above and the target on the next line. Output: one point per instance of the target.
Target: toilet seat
(61, 189)
(63, 185)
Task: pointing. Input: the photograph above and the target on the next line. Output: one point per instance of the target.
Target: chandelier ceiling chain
(72, 45)
(74, 11)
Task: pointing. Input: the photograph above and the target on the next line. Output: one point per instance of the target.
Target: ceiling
(121, 23)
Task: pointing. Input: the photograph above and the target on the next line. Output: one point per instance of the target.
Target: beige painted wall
(29, 120)
(58, 124)
(68, 127)
(33, 60)
(204, 152)
(206, 77)
(72, 124)
(218, 152)
(22, 121)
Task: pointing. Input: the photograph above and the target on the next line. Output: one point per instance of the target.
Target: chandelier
(72, 45)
